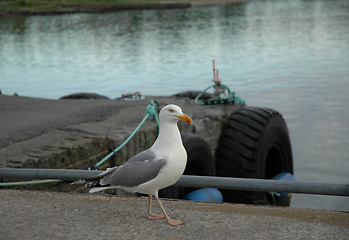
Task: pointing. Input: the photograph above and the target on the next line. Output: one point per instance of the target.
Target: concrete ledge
(53, 9)
(41, 133)
(96, 8)
(54, 215)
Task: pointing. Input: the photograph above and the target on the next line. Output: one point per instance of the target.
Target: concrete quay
(57, 215)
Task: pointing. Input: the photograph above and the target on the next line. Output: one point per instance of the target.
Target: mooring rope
(219, 89)
(151, 111)
(231, 98)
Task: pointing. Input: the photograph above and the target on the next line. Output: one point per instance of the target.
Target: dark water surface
(291, 55)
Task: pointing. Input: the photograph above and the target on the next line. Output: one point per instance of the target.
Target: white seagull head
(173, 113)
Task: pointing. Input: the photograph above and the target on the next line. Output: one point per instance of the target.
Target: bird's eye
(171, 110)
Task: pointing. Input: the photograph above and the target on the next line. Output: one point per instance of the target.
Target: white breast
(168, 175)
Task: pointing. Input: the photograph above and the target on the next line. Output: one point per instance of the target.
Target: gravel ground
(53, 215)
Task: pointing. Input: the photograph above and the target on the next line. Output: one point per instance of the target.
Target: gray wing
(133, 174)
(137, 170)
(146, 155)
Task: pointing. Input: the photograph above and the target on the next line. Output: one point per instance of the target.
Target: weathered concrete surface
(49, 215)
(102, 7)
(67, 133)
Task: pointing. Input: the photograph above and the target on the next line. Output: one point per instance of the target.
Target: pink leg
(172, 222)
(153, 216)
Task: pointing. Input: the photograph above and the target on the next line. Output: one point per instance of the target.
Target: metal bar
(9, 184)
(62, 174)
(194, 181)
(263, 185)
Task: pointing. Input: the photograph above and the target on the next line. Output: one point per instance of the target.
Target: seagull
(155, 168)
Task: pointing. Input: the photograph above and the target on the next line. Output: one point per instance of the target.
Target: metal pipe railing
(34, 173)
(193, 181)
(263, 185)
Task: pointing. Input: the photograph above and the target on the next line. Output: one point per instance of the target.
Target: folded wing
(141, 168)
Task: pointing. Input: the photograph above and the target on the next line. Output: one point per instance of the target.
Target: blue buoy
(205, 195)
(285, 176)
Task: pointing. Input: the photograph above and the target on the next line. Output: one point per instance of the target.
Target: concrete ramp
(58, 215)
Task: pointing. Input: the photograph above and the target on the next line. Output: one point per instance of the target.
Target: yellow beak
(186, 119)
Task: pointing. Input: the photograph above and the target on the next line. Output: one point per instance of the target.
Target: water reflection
(291, 55)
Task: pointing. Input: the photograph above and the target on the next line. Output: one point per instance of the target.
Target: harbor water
(291, 55)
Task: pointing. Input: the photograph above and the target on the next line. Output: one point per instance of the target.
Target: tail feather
(97, 189)
(87, 184)
(94, 181)
(102, 175)
(78, 182)
(92, 184)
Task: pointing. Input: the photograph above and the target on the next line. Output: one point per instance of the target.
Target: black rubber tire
(84, 96)
(200, 162)
(255, 143)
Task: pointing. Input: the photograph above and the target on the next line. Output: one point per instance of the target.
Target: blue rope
(232, 97)
(151, 111)
(274, 196)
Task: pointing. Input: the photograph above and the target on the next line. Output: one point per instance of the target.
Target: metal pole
(194, 181)
(263, 185)
(62, 174)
